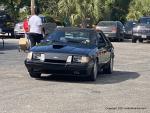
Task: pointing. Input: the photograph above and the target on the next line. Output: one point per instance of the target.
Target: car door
(102, 50)
(109, 47)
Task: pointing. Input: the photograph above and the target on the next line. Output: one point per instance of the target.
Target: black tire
(118, 40)
(122, 39)
(94, 73)
(12, 35)
(35, 75)
(108, 68)
(140, 40)
(134, 39)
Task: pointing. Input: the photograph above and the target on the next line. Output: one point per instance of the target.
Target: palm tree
(138, 8)
(78, 10)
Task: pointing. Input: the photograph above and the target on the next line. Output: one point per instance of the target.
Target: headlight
(29, 56)
(38, 56)
(81, 59)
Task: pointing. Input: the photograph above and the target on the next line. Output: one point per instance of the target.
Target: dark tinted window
(145, 20)
(120, 24)
(130, 24)
(5, 17)
(101, 41)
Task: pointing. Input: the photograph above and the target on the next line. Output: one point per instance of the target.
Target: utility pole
(32, 7)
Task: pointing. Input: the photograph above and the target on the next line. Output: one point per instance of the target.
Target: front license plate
(144, 36)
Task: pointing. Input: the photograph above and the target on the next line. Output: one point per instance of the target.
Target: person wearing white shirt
(35, 29)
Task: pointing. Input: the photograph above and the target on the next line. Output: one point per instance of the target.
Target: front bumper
(143, 36)
(19, 33)
(60, 68)
(110, 35)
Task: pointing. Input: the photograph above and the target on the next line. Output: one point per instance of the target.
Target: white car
(18, 30)
(48, 27)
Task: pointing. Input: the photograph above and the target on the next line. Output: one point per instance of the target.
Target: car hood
(143, 25)
(62, 48)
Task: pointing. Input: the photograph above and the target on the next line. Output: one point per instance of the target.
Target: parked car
(114, 30)
(19, 30)
(129, 29)
(6, 25)
(142, 30)
(48, 27)
(72, 51)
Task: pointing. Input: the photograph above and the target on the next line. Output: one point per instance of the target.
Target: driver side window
(101, 41)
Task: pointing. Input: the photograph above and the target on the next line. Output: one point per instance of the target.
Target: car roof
(110, 21)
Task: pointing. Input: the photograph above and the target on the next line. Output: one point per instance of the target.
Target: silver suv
(142, 30)
(114, 30)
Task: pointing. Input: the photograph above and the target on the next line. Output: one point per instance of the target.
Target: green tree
(138, 8)
(49, 7)
(116, 9)
(78, 10)
(13, 6)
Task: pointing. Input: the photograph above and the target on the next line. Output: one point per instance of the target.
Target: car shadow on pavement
(115, 77)
(147, 42)
(1, 53)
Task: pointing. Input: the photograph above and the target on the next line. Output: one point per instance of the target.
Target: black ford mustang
(71, 51)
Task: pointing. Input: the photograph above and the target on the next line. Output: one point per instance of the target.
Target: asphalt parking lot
(127, 90)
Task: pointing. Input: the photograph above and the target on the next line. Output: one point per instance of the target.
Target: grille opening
(55, 61)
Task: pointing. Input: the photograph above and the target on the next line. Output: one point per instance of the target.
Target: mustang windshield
(73, 37)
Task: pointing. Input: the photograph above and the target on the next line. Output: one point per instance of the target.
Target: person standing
(35, 28)
(26, 26)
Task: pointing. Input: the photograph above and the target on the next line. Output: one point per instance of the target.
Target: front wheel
(140, 40)
(35, 75)
(94, 72)
(108, 69)
(134, 39)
